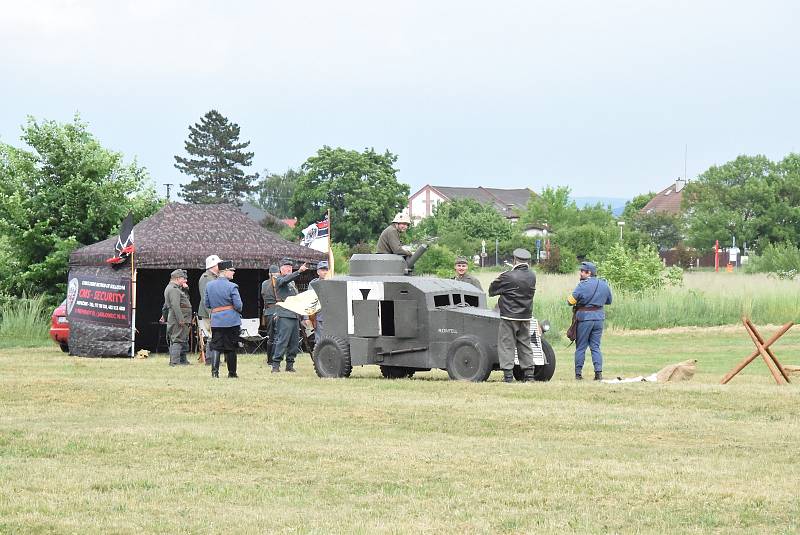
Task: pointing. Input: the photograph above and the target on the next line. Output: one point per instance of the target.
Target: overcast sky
(602, 97)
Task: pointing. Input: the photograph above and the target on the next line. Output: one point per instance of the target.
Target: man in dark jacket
(319, 317)
(287, 338)
(178, 311)
(589, 297)
(515, 288)
(269, 296)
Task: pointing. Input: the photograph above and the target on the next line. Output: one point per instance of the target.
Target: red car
(59, 327)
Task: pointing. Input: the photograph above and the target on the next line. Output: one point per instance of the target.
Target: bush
(23, 319)
(562, 260)
(781, 260)
(439, 261)
(637, 271)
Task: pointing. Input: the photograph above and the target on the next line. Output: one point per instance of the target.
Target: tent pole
(133, 305)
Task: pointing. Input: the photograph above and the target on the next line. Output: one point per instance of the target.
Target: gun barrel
(417, 254)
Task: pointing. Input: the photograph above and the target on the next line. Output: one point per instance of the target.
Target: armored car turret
(382, 314)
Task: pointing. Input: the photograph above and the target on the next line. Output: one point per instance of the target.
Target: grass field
(124, 446)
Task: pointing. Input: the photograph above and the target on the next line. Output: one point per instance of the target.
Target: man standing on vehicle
(223, 299)
(515, 288)
(287, 338)
(203, 315)
(588, 298)
(462, 275)
(389, 240)
(319, 317)
(179, 317)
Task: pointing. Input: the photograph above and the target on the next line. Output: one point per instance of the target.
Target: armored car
(381, 314)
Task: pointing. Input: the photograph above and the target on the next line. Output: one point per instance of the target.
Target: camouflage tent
(178, 236)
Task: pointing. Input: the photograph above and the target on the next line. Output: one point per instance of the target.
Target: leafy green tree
(274, 192)
(553, 208)
(750, 198)
(360, 189)
(637, 271)
(664, 230)
(216, 158)
(69, 191)
(461, 224)
(633, 206)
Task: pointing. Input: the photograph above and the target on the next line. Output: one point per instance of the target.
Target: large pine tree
(216, 161)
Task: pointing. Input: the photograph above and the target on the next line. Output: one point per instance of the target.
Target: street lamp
(620, 224)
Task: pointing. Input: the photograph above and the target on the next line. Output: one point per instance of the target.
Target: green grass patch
(129, 446)
(24, 322)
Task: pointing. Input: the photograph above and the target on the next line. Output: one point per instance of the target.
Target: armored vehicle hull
(406, 324)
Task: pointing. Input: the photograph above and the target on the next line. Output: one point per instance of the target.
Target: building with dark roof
(508, 202)
(666, 201)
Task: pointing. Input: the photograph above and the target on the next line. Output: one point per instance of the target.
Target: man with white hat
(203, 315)
(389, 241)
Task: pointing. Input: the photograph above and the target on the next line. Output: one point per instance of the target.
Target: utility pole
(168, 187)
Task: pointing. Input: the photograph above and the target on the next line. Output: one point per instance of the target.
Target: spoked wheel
(397, 372)
(540, 373)
(467, 360)
(332, 358)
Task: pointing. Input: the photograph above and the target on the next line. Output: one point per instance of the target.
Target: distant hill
(617, 204)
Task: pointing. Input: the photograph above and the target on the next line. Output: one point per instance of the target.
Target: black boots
(276, 367)
(598, 376)
(508, 376)
(290, 367)
(230, 360)
(578, 377)
(214, 363)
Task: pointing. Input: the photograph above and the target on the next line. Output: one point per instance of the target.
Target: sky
(609, 98)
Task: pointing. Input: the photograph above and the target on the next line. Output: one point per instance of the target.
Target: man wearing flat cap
(515, 288)
(287, 338)
(588, 299)
(269, 296)
(462, 267)
(223, 300)
(178, 311)
(203, 315)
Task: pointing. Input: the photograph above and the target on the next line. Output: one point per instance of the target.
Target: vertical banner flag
(124, 246)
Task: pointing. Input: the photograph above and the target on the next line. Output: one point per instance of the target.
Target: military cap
(590, 267)
(461, 260)
(178, 273)
(226, 264)
(522, 254)
(323, 264)
(287, 262)
(274, 269)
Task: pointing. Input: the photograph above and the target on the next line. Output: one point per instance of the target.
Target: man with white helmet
(211, 273)
(389, 242)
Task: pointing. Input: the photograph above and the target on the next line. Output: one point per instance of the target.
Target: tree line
(65, 190)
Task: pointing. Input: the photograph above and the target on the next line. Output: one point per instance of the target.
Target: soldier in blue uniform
(223, 300)
(589, 297)
(287, 337)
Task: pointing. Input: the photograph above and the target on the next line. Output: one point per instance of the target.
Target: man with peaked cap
(515, 288)
(389, 240)
(319, 317)
(269, 296)
(588, 299)
(462, 275)
(178, 310)
(203, 315)
(223, 300)
(287, 337)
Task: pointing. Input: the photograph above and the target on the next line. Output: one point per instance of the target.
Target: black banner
(99, 300)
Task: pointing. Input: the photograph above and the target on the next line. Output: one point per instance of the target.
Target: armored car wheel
(540, 373)
(397, 372)
(467, 360)
(332, 358)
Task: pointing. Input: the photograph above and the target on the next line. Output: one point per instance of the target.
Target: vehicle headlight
(545, 326)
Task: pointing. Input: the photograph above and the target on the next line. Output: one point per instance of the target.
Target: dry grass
(122, 446)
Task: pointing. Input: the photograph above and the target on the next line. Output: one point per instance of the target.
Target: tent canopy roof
(183, 235)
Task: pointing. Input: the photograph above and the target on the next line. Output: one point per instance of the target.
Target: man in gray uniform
(269, 296)
(515, 288)
(389, 241)
(463, 276)
(179, 317)
(203, 315)
(319, 317)
(287, 338)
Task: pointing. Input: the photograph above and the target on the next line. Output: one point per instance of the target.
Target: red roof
(668, 200)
